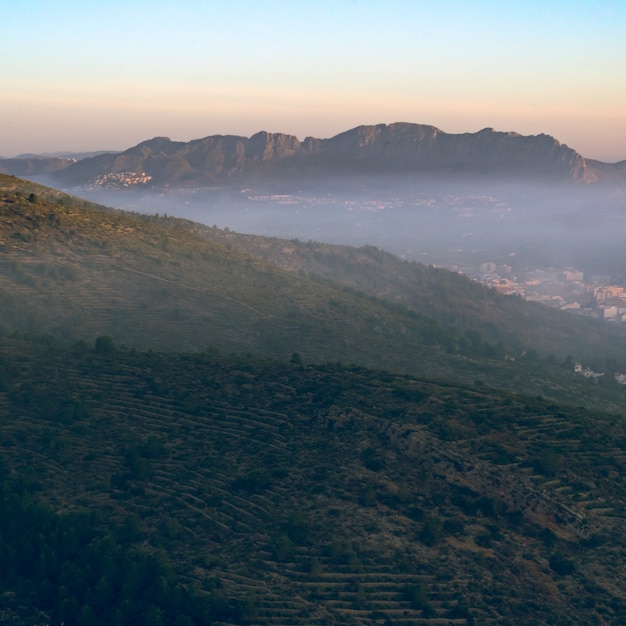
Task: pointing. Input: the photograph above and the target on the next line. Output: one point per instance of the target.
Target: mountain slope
(379, 150)
(80, 272)
(456, 302)
(309, 495)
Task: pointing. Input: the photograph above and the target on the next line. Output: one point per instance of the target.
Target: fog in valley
(452, 224)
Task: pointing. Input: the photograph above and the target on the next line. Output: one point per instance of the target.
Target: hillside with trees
(78, 271)
(456, 302)
(145, 488)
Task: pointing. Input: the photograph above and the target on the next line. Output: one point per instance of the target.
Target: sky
(91, 75)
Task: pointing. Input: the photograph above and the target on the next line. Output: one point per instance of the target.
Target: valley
(532, 238)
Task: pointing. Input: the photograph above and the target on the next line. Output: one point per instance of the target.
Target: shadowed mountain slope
(287, 494)
(157, 487)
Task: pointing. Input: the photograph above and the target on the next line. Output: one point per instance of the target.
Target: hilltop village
(114, 181)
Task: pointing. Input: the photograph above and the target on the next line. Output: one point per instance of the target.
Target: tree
(432, 531)
(561, 564)
(283, 548)
(417, 594)
(548, 463)
(105, 344)
(296, 359)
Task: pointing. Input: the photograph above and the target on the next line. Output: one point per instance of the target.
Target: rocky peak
(264, 146)
(162, 146)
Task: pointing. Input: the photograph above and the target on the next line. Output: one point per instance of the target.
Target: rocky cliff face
(419, 148)
(382, 149)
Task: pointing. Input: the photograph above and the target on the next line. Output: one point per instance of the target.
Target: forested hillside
(153, 488)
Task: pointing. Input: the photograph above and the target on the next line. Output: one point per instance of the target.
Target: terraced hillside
(323, 494)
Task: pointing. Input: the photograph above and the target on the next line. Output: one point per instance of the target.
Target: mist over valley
(433, 221)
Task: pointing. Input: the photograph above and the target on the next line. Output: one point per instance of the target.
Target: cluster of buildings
(117, 180)
(611, 300)
(567, 289)
(587, 372)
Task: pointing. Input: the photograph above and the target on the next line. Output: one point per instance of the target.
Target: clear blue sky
(85, 75)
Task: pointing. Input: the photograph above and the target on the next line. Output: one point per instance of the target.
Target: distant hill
(75, 156)
(79, 271)
(382, 150)
(607, 172)
(34, 165)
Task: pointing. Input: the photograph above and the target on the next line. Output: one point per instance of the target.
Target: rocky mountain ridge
(399, 148)
(32, 165)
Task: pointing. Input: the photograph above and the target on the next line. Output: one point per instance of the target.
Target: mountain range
(394, 149)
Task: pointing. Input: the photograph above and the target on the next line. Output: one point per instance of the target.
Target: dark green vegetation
(258, 492)
(179, 443)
